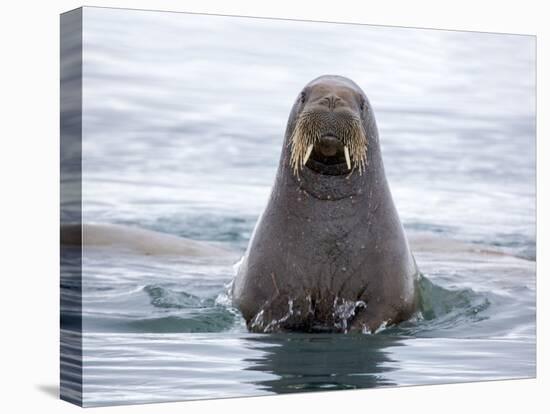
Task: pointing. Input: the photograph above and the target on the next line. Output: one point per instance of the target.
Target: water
(183, 123)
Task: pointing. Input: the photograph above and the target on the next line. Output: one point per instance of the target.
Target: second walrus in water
(329, 252)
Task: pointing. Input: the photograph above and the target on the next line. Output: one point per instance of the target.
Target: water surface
(183, 124)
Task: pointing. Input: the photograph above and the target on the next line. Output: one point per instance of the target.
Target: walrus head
(330, 132)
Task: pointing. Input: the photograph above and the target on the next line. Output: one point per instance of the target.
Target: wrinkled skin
(329, 253)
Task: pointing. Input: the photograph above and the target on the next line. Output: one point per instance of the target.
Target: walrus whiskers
(310, 128)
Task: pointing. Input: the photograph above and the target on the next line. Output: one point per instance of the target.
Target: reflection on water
(169, 147)
(319, 362)
(322, 362)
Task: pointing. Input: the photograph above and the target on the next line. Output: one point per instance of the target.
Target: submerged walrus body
(329, 253)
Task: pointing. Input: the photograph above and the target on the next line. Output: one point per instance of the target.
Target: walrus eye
(362, 103)
(302, 97)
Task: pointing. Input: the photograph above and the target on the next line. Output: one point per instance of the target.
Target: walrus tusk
(346, 153)
(308, 153)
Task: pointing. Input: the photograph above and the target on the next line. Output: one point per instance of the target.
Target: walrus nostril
(331, 101)
(329, 146)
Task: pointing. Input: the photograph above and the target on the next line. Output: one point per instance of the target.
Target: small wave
(188, 313)
(442, 308)
(438, 302)
(162, 297)
(212, 320)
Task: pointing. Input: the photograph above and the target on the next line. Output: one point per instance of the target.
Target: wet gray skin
(329, 253)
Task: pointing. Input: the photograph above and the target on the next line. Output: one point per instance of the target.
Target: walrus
(129, 239)
(328, 253)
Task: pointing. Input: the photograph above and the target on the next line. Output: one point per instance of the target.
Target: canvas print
(257, 206)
